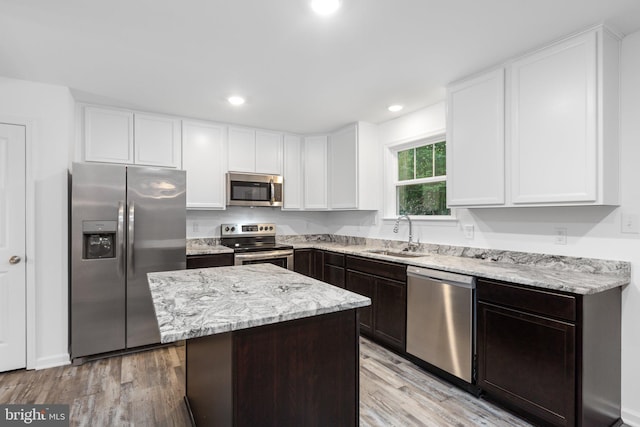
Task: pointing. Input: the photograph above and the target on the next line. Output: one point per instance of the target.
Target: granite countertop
(577, 282)
(576, 275)
(207, 301)
(205, 249)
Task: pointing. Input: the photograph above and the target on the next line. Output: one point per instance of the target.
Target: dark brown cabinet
(385, 283)
(552, 356)
(303, 261)
(309, 262)
(333, 269)
(209, 260)
(363, 284)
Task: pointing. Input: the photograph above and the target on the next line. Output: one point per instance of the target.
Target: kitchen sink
(398, 254)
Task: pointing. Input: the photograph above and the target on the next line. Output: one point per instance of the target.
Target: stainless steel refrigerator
(125, 221)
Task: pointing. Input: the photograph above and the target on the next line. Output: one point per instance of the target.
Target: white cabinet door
(268, 152)
(315, 172)
(108, 135)
(204, 160)
(554, 123)
(292, 173)
(242, 150)
(343, 168)
(157, 141)
(475, 141)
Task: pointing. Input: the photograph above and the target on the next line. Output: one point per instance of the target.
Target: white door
(12, 248)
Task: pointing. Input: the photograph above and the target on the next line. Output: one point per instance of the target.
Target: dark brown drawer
(546, 303)
(378, 268)
(213, 260)
(333, 258)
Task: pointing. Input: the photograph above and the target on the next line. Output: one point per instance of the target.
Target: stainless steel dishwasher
(440, 320)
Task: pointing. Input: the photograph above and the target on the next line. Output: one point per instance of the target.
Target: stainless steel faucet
(411, 246)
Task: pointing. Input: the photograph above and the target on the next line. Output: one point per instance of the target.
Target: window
(421, 179)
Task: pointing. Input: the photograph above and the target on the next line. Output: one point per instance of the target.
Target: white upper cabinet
(315, 172)
(475, 141)
(561, 123)
(558, 155)
(252, 150)
(157, 141)
(108, 135)
(354, 168)
(292, 173)
(204, 159)
(268, 152)
(242, 149)
(120, 136)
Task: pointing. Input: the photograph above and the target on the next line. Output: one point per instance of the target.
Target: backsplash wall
(207, 223)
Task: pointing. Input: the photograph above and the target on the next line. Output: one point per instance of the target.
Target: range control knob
(226, 229)
(261, 228)
(271, 227)
(233, 229)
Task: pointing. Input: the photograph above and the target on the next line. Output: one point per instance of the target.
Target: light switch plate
(630, 223)
(468, 231)
(560, 236)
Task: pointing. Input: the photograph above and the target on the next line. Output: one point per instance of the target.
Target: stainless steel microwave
(252, 189)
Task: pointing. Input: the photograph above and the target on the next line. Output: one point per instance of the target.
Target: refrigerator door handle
(120, 236)
(131, 238)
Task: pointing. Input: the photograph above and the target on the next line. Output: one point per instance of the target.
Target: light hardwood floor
(146, 389)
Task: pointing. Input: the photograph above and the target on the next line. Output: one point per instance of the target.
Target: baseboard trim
(631, 418)
(53, 361)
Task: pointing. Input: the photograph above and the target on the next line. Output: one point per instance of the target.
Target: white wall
(48, 112)
(592, 231)
(207, 223)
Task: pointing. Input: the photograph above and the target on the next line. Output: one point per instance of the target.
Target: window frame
(391, 175)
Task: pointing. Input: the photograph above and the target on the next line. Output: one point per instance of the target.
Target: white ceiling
(299, 72)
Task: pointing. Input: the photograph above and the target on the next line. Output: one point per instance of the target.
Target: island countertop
(207, 301)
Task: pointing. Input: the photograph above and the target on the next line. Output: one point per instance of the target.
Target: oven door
(282, 259)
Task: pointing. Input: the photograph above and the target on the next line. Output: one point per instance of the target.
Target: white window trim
(391, 173)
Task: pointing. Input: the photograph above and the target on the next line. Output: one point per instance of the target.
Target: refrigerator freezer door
(156, 241)
(97, 281)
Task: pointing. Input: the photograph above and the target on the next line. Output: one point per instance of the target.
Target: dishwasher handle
(445, 276)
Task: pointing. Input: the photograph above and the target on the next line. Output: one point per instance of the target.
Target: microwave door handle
(273, 192)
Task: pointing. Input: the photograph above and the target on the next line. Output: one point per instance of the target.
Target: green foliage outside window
(427, 161)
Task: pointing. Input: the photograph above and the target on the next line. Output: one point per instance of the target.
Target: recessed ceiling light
(235, 100)
(325, 7)
(395, 108)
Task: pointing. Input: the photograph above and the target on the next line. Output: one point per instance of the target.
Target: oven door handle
(262, 255)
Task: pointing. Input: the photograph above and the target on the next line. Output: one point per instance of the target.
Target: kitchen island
(264, 345)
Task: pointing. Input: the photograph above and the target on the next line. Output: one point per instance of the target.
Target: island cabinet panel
(386, 284)
(211, 260)
(553, 357)
(298, 373)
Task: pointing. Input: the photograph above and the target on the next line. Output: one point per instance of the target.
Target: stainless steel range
(256, 244)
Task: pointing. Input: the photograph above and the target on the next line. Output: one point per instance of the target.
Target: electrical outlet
(560, 236)
(468, 231)
(630, 223)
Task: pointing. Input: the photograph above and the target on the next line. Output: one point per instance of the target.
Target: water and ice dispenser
(98, 239)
